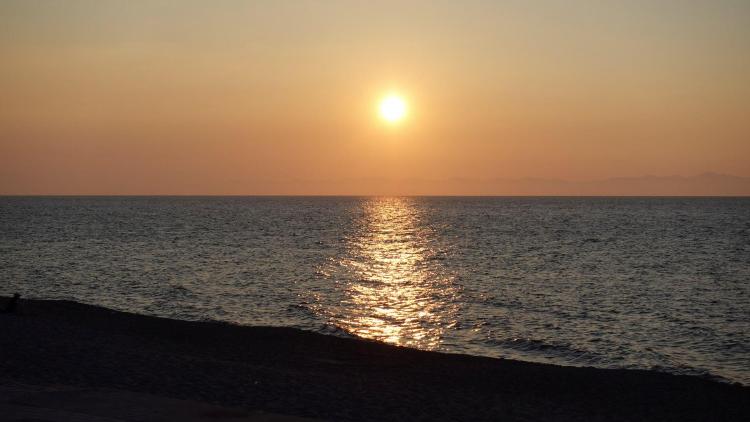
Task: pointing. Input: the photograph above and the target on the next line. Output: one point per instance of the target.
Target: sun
(393, 108)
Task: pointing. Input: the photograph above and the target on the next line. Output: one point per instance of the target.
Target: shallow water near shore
(650, 283)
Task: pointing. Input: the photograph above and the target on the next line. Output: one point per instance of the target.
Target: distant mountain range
(707, 184)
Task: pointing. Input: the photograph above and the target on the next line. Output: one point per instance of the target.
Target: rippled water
(654, 283)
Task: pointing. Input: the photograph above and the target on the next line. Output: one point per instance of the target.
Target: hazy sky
(240, 97)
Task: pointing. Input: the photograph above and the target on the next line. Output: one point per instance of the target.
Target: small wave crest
(335, 330)
(555, 352)
(689, 370)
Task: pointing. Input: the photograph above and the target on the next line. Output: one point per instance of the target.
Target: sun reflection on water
(396, 289)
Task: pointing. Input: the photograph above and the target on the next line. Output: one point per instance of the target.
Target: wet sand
(66, 346)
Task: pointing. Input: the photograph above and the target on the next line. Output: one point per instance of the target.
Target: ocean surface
(650, 283)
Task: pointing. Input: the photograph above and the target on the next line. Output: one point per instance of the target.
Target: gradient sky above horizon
(231, 97)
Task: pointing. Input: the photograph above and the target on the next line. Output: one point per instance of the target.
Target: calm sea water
(652, 283)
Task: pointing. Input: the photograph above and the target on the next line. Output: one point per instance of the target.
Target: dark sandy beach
(69, 346)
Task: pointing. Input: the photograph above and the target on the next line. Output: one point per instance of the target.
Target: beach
(62, 345)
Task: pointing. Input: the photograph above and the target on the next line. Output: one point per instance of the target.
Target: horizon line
(351, 196)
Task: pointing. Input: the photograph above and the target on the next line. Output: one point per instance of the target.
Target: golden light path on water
(396, 288)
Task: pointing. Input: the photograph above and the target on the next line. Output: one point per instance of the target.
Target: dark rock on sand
(295, 372)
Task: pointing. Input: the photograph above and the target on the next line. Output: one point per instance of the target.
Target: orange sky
(233, 97)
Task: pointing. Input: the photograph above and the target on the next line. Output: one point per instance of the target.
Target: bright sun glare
(392, 108)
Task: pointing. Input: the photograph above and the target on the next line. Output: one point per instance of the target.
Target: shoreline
(301, 373)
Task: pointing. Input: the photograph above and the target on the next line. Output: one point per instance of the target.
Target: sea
(646, 283)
